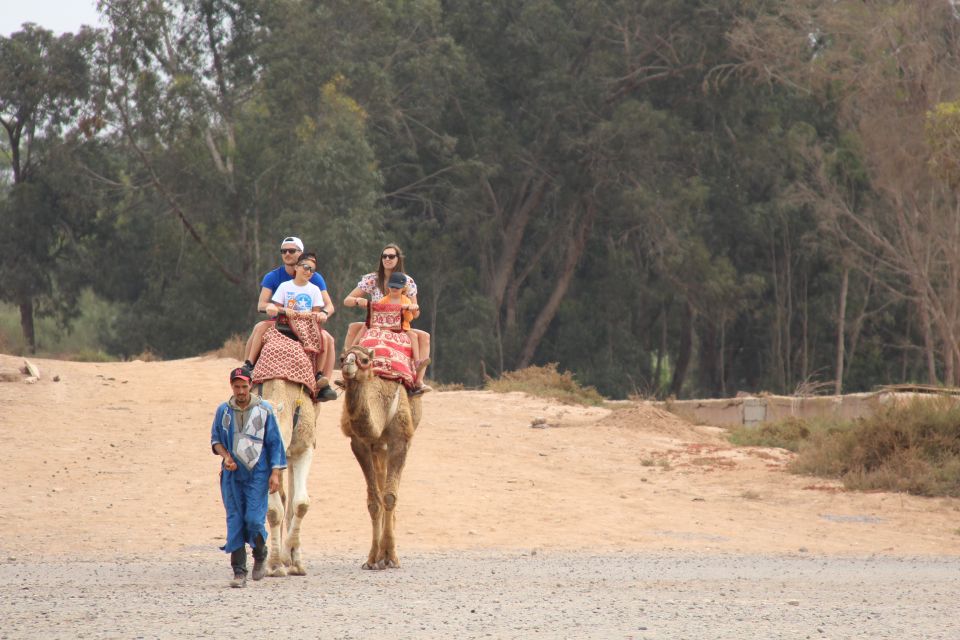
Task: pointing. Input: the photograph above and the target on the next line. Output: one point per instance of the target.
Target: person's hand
(228, 463)
(272, 310)
(413, 307)
(274, 482)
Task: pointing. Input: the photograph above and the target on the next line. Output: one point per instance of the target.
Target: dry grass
(912, 447)
(546, 382)
(234, 347)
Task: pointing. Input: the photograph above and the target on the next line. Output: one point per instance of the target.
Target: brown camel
(380, 419)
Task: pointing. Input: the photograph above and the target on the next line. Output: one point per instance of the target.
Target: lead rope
(296, 410)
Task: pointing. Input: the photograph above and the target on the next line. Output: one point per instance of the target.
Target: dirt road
(643, 526)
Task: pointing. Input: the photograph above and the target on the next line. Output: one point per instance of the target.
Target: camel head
(355, 361)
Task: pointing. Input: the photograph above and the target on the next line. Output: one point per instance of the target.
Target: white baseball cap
(292, 240)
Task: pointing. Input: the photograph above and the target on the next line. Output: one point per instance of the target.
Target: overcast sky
(56, 15)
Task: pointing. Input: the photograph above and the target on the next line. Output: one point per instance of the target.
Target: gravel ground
(490, 594)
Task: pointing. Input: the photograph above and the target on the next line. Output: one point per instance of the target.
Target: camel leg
(275, 519)
(297, 509)
(365, 458)
(396, 458)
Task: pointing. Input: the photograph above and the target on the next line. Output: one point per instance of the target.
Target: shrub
(546, 382)
(912, 447)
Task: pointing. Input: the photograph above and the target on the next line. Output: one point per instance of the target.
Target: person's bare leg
(423, 340)
(329, 355)
(255, 342)
(414, 345)
(352, 332)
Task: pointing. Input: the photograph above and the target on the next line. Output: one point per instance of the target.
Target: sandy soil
(114, 456)
(605, 523)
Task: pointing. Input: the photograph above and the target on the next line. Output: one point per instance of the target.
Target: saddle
(392, 351)
(290, 358)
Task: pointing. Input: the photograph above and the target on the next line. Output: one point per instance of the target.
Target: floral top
(368, 284)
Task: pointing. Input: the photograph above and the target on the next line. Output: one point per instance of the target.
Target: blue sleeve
(318, 280)
(270, 281)
(216, 433)
(275, 451)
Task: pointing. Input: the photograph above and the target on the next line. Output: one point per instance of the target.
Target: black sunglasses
(290, 251)
(389, 256)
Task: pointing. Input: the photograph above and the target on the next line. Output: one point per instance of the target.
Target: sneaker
(239, 580)
(247, 367)
(326, 394)
(259, 569)
(419, 391)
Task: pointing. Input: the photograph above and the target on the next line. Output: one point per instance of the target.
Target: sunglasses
(290, 251)
(305, 266)
(389, 256)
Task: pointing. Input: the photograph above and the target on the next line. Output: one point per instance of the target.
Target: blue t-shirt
(278, 276)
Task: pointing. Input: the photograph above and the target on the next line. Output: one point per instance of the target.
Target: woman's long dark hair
(381, 272)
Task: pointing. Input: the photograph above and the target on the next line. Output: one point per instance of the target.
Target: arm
(228, 462)
(357, 298)
(265, 295)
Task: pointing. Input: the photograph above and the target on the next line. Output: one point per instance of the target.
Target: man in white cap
(290, 251)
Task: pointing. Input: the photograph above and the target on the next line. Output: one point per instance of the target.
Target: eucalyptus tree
(47, 115)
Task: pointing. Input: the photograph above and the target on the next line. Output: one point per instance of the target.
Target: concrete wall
(753, 410)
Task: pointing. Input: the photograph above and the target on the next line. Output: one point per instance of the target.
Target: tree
(45, 87)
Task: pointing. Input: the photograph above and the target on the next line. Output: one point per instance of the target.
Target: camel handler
(246, 435)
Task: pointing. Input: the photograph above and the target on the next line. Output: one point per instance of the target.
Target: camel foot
(376, 566)
(391, 564)
(296, 570)
(277, 572)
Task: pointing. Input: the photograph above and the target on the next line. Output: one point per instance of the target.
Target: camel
(286, 509)
(380, 419)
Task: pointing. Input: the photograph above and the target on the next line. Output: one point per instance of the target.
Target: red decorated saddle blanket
(289, 359)
(392, 354)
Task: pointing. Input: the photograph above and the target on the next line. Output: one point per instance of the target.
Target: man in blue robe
(246, 435)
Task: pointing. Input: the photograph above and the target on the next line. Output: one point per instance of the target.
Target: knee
(274, 516)
(301, 507)
(389, 501)
(373, 506)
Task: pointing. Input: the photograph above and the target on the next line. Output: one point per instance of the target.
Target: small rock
(699, 500)
(793, 603)
(31, 380)
(56, 378)
(485, 425)
(31, 369)
(538, 420)
(803, 550)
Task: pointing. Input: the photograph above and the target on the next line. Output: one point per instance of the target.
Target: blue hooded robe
(257, 448)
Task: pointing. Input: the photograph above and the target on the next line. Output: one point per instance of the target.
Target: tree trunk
(841, 324)
(686, 347)
(26, 325)
(575, 248)
(928, 346)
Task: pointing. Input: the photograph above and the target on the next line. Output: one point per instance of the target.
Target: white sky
(56, 15)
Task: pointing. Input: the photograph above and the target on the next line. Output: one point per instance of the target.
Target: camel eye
(364, 361)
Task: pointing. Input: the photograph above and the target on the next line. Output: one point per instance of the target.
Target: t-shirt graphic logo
(299, 301)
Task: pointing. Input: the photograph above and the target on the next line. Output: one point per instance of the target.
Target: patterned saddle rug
(392, 351)
(288, 359)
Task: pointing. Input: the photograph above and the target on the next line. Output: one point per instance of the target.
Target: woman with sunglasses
(374, 285)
